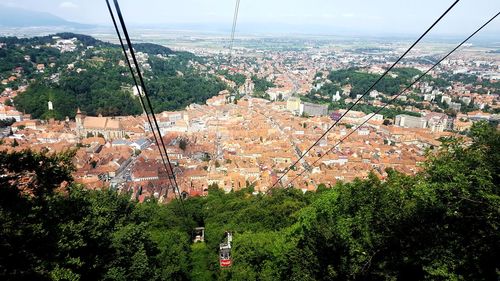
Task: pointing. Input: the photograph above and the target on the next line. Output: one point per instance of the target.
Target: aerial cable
(235, 19)
(364, 94)
(396, 96)
(138, 89)
(139, 74)
(132, 54)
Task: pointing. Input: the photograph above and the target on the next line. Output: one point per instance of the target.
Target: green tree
(7, 122)
(441, 224)
(367, 230)
(183, 144)
(80, 234)
(26, 243)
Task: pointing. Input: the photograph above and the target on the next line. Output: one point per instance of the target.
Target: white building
(6, 113)
(446, 99)
(336, 97)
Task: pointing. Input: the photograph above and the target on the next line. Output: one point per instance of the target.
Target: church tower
(79, 122)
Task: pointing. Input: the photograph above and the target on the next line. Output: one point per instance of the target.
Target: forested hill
(86, 40)
(442, 224)
(74, 70)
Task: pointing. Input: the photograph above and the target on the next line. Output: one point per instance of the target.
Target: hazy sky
(365, 16)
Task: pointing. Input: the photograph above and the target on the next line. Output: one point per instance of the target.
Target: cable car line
(132, 54)
(138, 90)
(235, 19)
(396, 96)
(225, 259)
(364, 94)
(139, 74)
(230, 47)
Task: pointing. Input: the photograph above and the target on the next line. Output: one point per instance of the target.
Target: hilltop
(78, 71)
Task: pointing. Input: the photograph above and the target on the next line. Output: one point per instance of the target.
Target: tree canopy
(441, 224)
(95, 78)
(361, 81)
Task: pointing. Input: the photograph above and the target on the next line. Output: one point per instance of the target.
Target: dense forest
(391, 84)
(441, 224)
(95, 78)
(401, 77)
(174, 85)
(361, 81)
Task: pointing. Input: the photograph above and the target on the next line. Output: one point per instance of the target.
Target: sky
(377, 17)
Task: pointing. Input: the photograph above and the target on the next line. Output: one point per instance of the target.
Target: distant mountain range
(17, 17)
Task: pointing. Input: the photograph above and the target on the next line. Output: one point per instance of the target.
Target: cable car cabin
(199, 234)
(225, 252)
(225, 255)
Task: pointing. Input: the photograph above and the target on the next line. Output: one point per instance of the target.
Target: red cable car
(225, 251)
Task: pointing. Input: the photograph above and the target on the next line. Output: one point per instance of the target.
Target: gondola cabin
(199, 234)
(225, 255)
(225, 251)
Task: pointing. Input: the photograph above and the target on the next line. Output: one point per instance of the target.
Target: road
(296, 149)
(124, 174)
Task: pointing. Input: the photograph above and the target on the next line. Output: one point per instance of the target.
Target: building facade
(408, 121)
(109, 127)
(312, 109)
(293, 104)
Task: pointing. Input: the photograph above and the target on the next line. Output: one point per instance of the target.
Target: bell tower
(79, 122)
